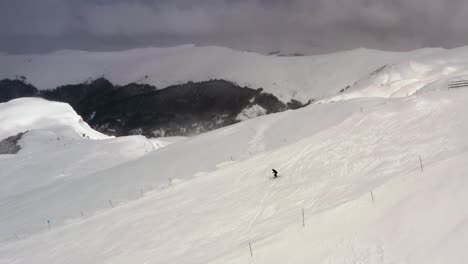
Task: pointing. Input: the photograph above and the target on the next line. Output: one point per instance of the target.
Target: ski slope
(300, 78)
(379, 170)
(208, 196)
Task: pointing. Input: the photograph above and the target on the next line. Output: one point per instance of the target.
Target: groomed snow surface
(362, 180)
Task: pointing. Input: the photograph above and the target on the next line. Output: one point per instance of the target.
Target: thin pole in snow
(303, 218)
(420, 162)
(170, 181)
(82, 214)
(372, 196)
(250, 246)
(16, 235)
(141, 192)
(361, 109)
(48, 224)
(111, 204)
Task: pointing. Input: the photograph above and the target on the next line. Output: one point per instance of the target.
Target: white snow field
(58, 147)
(330, 167)
(430, 72)
(24, 114)
(371, 175)
(300, 78)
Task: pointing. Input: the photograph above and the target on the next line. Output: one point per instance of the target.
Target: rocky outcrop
(10, 145)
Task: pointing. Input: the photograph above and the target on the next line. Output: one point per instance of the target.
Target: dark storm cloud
(262, 25)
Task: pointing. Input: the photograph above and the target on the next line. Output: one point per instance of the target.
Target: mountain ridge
(179, 110)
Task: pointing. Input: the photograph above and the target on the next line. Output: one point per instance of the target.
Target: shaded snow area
(300, 78)
(378, 180)
(251, 112)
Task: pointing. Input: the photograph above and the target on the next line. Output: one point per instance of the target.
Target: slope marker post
(111, 204)
(420, 162)
(372, 196)
(250, 246)
(303, 218)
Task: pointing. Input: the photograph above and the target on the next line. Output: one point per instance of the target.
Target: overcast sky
(313, 26)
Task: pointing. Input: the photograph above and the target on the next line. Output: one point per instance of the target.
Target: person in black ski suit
(275, 173)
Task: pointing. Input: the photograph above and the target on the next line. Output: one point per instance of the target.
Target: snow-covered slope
(58, 147)
(356, 174)
(301, 78)
(423, 73)
(25, 114)
(374, 177)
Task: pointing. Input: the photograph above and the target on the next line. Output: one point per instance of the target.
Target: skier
(275, 173)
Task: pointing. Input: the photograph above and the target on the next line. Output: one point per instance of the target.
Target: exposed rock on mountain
(10, 145)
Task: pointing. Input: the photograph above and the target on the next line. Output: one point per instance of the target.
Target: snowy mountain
(132, 99)
(140, 109)
(372, 174)
(56, 146)
(430, 72)
(301, 78)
